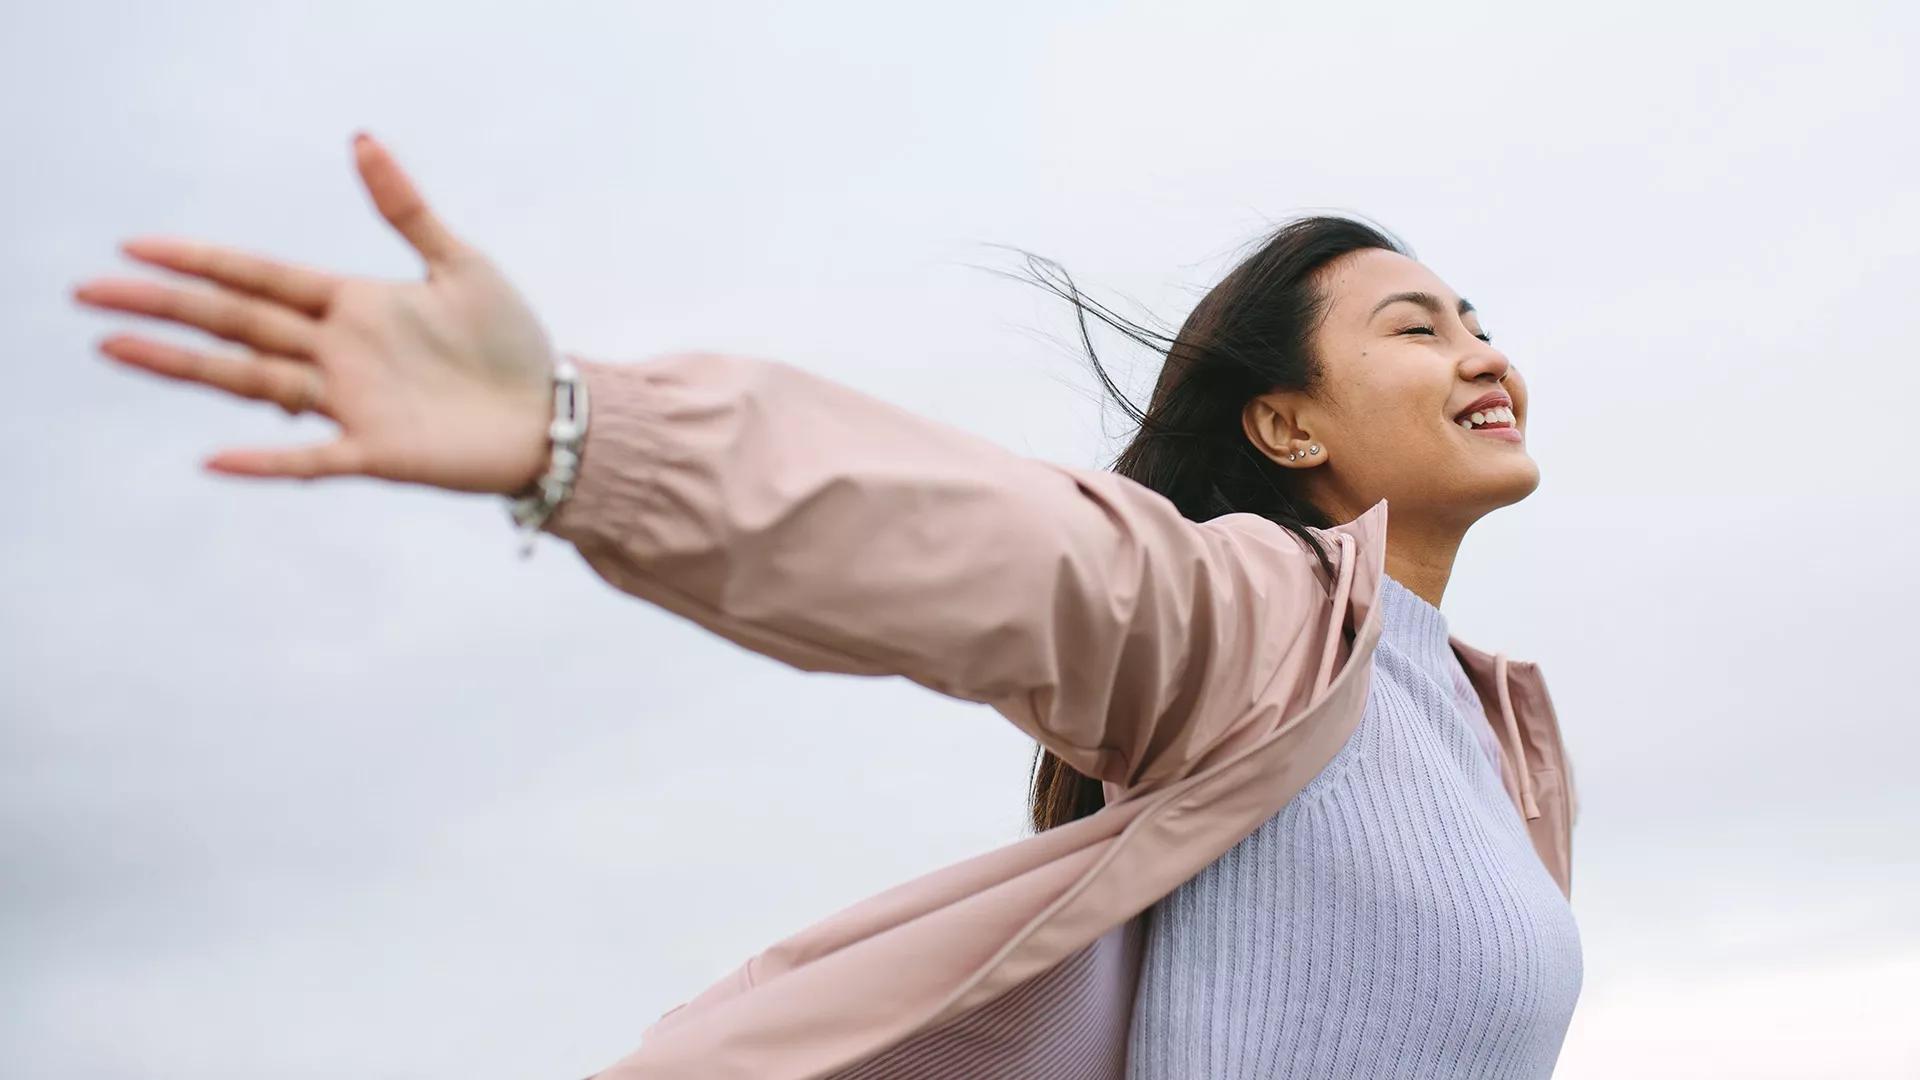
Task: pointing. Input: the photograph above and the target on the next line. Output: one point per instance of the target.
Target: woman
(1287, 825)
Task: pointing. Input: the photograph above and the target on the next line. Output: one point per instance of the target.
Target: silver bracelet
(568, 433)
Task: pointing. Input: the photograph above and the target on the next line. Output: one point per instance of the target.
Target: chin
(1515, 481)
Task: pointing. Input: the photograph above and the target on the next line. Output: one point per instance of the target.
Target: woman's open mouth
(1495, 423)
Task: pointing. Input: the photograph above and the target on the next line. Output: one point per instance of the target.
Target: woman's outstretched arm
(836, 532)
(794, 515)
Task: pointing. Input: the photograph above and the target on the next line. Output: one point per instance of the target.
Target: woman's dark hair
(1249, 335)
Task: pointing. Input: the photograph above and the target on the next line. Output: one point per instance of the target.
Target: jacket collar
(1486, 670)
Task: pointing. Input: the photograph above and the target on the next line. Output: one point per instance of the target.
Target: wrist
(533, 465)
(565, 441)
(528, 442)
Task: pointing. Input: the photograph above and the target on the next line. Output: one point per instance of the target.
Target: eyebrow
(1424, 299)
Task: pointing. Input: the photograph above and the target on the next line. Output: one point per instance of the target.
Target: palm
(442, 381)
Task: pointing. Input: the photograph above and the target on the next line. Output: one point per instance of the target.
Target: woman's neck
(1422, 558)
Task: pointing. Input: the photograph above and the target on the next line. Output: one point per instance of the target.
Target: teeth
(1499, 415)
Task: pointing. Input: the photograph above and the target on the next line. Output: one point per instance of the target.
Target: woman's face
(1402, 358)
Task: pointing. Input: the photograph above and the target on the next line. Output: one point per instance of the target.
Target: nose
(1486, 360)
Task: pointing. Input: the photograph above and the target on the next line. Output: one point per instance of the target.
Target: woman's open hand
(442, 382)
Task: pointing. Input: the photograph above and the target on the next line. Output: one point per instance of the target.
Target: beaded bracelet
(568, 432)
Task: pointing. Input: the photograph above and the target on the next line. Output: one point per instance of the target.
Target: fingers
(401, 203)
(265, 325)
(338, 458)
(291, 384)
(305, 290)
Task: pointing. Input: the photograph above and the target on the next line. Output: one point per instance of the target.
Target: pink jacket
(1203, 671)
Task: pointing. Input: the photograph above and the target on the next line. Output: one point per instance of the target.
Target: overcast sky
(322, 782)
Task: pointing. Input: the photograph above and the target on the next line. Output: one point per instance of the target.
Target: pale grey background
(322, 782)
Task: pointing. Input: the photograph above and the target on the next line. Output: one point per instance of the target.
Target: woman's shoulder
(1347, 547)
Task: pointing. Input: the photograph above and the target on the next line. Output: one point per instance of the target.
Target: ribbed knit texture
(1391, 921)
(1058, 1025)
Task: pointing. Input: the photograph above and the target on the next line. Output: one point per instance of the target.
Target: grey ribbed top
(1391, 921)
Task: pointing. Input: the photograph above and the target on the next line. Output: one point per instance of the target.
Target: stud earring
(1314, 449)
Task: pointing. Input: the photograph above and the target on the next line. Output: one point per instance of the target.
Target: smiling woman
(1327, 372)
(1286, 824)
(1323, 374)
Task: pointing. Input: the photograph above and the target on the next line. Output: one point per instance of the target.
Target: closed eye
(1429, 331)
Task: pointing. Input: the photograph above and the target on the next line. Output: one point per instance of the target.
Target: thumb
(401, 203)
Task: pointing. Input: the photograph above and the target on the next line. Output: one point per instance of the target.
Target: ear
(1269, 422)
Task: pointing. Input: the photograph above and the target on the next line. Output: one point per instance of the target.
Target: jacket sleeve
(836, 532)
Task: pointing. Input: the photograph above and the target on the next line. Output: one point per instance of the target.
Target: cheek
(1392, 399)
(1401, 405)
(1394, 433)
